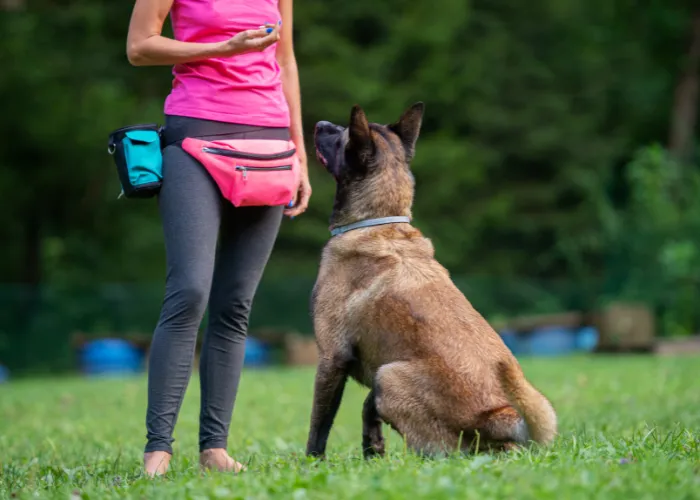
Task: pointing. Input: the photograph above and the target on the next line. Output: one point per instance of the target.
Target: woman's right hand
(146, 46)
(251, 40)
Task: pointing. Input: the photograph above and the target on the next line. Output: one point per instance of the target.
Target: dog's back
(400, 303)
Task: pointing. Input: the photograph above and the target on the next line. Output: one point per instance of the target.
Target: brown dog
(387, 314)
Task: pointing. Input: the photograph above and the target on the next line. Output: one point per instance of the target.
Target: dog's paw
(315, 454)
(372, 449)
(510, 446)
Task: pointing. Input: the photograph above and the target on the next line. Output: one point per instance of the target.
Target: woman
(235, 77)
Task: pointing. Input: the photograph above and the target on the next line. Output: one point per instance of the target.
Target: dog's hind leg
(500, 429)
(404, 400)
(372, 438)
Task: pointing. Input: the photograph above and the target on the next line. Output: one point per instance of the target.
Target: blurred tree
(534, 114)
(685, 107)
(654, 242)
(63, 88)
(529, 109)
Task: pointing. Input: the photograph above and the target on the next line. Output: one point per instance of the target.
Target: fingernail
(269, 30)
(280, 22)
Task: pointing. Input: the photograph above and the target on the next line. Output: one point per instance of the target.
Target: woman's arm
(290, 74)
(145, 46)
(290, 85)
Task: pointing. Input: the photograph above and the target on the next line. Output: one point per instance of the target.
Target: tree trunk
(31, 272)
(11, 4)
(31, 302)
(685, 106)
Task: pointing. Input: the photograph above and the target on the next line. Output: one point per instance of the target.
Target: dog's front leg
(331, 375)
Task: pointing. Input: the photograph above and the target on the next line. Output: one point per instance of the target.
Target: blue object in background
(551, 341)
(111, 357)
(586, 339)
(256, 353)
(512, 341)
(4, 374)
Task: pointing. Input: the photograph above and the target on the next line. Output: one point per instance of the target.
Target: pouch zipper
(142, 126)
(249, 156)
(263, 169)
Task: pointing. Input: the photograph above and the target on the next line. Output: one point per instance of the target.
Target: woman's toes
(218, 459)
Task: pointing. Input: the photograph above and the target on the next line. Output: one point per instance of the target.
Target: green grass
(630, 429)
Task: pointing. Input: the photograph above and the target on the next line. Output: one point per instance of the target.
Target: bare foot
(219, 460)
(156, 463)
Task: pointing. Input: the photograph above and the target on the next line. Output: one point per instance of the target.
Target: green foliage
(532, 111)
(655, 241)
(628, 430)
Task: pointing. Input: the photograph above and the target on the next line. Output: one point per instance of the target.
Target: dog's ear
(359, 134)
(408, 128)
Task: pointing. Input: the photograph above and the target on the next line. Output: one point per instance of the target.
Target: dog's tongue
(321, 158)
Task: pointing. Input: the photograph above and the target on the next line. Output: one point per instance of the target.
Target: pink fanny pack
(250, 172)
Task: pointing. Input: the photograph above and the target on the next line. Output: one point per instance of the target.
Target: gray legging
(226, 276)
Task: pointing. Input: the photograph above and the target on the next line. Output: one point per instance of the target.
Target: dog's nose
(323, 125)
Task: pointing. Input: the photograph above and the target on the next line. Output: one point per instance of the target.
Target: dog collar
(369, 223)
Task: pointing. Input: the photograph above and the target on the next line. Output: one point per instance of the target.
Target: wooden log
(688, 346)
(300, 350)
(626, 327)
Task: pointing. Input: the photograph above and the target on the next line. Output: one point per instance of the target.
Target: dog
(388, 315)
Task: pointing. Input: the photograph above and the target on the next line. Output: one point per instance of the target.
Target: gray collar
(369, 223)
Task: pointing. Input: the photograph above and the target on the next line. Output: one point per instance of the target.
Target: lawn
(630, 428)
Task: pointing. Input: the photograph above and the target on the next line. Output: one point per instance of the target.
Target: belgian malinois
(387, 314)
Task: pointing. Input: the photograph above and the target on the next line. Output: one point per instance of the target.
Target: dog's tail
(535, 409)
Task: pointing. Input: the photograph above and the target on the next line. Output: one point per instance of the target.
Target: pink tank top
(245, 88)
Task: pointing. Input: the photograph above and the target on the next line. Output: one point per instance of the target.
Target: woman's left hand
(301, 202)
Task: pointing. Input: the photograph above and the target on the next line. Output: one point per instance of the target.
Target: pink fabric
(245, 88)
(249, 182)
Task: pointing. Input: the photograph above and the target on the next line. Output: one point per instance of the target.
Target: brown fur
(387, 314)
